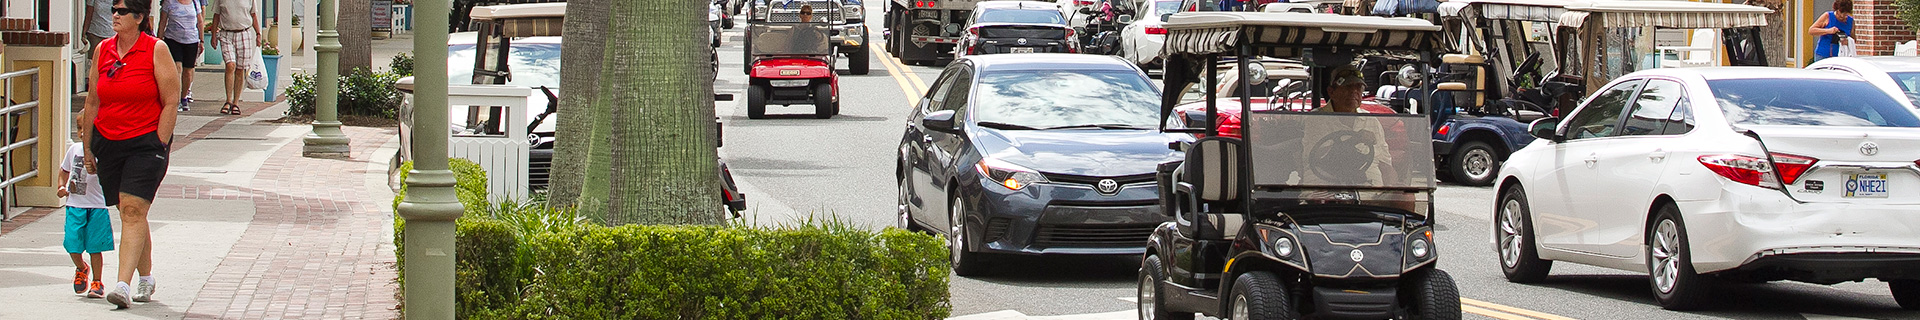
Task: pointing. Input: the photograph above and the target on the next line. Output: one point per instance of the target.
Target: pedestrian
(180, 28)
(89, 229)
(127, 126)
(99, 25)
(1833, 28)
(237, 35)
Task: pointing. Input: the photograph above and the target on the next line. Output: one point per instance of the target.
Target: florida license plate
(1022, 50)
(1867, 185)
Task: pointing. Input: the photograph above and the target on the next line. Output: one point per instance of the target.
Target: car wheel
(1513, 232)
(1670, 264)
(1259, 295)
(965, 263)
(822, 101)
(1474, 164)
(1906, 292)
(756, 102)
(857, 61)
(393, 173)
(1434, 296)
(906, 213)
(1149, 298)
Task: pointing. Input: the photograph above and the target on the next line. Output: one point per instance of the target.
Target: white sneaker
(119, 296)
(145, 292)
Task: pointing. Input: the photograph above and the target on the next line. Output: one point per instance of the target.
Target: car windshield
(1021, 16)
(1165, 9)
(1809, 102)
(532, 64)
(1910, 84)
(1067, 98)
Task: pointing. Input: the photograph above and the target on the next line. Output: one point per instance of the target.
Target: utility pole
(430, 207)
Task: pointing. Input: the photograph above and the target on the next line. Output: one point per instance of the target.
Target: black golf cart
(1318, 214)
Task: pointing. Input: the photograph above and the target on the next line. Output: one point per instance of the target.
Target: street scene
(972, 160)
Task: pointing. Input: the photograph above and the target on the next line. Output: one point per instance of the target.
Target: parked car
(1034, 154)
(1697, 175)
(1898, 76)
(1017, 27)
(1141, 40)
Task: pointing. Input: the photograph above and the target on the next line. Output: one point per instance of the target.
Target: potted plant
(271, 55)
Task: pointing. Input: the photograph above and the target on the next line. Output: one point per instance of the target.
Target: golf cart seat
(1212, 186)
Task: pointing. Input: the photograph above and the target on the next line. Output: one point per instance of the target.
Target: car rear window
(1021, 16)
(1808, 102)
(1058, 98)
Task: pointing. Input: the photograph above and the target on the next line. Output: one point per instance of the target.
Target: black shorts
(133, 166)
(187, 54)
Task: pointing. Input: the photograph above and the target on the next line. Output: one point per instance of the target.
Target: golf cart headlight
(1420, 249)
(1007, 174)
(1283, 247)
(854, 12)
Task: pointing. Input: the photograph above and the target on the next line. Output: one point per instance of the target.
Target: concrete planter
(273, 75)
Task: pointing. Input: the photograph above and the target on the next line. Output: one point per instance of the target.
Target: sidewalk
(244, 227)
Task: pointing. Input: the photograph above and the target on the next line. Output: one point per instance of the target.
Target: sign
(382, 15)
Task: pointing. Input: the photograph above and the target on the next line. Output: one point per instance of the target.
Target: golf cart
(790, 61)
(1324, 215)
(1606, 39)
(1504, 76)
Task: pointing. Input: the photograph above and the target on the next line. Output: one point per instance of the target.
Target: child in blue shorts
(89, 228)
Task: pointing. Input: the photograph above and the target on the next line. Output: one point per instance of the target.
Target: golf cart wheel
(1906, 293)
(1513, 233)
(823, 101)
(966, 263)
(756, 102)
(1151, 301)
(1474, 164)
(746, 55)
(1259, 295)
(1434, 296)
(1670, 264)
(857, 60)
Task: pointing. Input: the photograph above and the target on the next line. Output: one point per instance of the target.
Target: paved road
(794, 166)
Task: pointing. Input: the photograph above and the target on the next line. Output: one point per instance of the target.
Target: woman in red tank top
(127, 128)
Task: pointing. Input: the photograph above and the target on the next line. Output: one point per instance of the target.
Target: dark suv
(1017, 27)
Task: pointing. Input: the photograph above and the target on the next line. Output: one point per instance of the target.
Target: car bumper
(849, 35)
(1062, 218)
(1146, 50)
(1754, 229)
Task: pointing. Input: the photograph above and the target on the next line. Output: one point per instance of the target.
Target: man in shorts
(237, 34)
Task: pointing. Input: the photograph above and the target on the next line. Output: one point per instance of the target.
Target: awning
(509, 11)
(530, 27)
(1674, 14)
(1573, 19)
(1280, 34)
(1520, 12)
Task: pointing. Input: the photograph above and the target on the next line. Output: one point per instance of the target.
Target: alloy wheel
(1146, 297)
(1510, 234)
(1479, 164)
(906, 219)
(957, 234)
(1666, 255)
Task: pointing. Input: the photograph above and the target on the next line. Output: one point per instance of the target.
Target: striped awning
(529, 27)
(1573, 19)
(1281, 34)
(1686, 20)
(1520, 12)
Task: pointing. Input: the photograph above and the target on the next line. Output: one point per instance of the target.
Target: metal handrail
(14, 139)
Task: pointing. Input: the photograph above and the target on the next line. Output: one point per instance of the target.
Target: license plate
(1867, 185)
(789, 72)
(1022, 50)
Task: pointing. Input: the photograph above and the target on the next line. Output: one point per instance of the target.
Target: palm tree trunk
(663, 168)
(356, 36)
(581, 56)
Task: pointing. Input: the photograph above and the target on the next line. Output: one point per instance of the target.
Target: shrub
(362, 92)
(812, 271)
(402, 65)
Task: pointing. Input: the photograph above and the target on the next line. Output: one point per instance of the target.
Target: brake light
(1444, 128)
(1156, 30)
(1229, 125)
(1792, 166)
(1743, 169)
(1083, 2)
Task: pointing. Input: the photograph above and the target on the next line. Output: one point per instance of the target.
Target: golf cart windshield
(791, 39)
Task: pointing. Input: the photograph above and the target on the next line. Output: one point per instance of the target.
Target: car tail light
(1156, 30)
(1444, 128)
(1792, 166)
(1083, 2)
(1743, 169)
(1229, 125)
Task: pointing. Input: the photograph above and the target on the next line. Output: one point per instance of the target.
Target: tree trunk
(581, 56)
(1774, 34)
(356, 36)
(664, 168)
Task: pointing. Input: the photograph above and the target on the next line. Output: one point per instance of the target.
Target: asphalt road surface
(794, 167)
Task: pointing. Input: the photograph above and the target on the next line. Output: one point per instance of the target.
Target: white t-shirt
(83, 189)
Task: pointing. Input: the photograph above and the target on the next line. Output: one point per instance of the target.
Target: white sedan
(1898, 76)
(1696, 175)
(1140, 42)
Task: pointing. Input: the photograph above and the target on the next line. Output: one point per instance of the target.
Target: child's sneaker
(120, 296)
(96, 290)
(184, 104)
(144, 291)
(80, 280)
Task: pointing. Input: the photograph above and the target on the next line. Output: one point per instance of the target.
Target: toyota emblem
(1869, 148)
(1108, 186)
(1022, 41)
(1356, 255)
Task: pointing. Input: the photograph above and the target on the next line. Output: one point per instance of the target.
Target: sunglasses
(115, 69)
(122, 11)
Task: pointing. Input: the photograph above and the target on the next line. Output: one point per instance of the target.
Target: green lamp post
(430, 206)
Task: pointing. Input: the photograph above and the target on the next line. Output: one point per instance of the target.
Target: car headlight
(1007, 174)
(1283, 247)
(855, 12)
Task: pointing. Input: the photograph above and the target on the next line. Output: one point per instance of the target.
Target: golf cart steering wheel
(1326, 157)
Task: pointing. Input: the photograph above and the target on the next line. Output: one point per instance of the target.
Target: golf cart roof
(1018, 5)
(523, 20)
(1281, 34)
(1523, 10)
(1666, 14)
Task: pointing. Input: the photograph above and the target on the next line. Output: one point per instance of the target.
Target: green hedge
(362, 92)
(812, 271)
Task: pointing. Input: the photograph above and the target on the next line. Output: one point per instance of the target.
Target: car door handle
(1592, 160)
(1657, 155)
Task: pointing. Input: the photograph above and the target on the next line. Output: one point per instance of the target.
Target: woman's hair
(1843, 6)
(145, 7)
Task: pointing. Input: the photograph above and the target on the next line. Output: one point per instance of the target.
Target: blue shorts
(89, 230)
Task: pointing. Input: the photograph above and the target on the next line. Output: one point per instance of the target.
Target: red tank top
(129, 93)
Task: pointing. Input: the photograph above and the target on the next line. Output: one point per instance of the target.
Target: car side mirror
(1086, 10)
(1546, 128)
(1124, 19)
(941, 121)
(404, 85)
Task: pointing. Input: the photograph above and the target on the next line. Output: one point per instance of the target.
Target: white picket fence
(504, 156)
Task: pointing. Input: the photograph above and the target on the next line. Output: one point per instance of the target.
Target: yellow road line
(1491, 313)
(909, 83)
(1494, 306)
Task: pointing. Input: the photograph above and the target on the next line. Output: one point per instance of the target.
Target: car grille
(539, 165)
(1091, 180)
(997, 229)
(1093, 235)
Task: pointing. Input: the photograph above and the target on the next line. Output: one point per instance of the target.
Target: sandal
(231, 108)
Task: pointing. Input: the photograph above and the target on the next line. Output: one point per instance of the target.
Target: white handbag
(256, 70)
